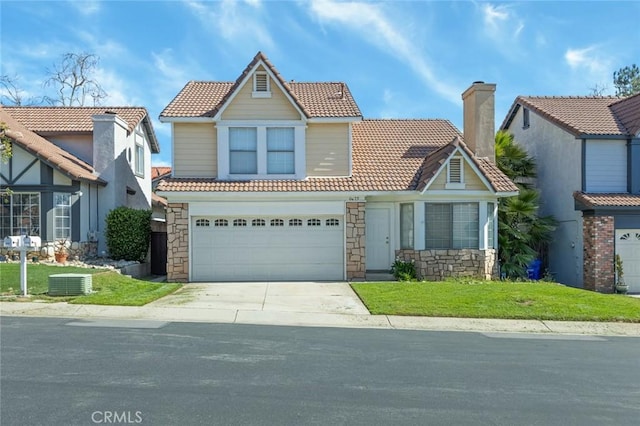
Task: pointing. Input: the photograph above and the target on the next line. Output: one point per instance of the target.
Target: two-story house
(71, 166)
(283, 180)
(588, 155)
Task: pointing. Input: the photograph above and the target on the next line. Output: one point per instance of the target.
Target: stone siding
(75, 251)
(178, 242)
(436, 265)
(599, 242)
(355, 241)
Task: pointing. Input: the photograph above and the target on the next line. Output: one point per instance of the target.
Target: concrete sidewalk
(176, 313)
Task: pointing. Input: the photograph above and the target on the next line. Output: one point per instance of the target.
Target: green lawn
(109, 288)
(496, 299)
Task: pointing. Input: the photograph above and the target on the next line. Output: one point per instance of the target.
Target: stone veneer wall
(75, 251)
(598, 247)
(178, 242)
(355, 241)
(436, 265)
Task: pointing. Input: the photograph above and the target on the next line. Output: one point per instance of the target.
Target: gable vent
(261, 83)
(455, 170)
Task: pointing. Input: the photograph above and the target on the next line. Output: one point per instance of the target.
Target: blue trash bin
(534, 270)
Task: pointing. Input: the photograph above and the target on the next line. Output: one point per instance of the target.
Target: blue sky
(400, 59)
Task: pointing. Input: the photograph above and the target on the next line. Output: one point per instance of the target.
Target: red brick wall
(599, 241)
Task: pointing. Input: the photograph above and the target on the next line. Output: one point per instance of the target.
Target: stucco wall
(558, 155)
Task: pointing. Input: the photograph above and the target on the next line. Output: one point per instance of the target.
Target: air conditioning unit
(69, 284)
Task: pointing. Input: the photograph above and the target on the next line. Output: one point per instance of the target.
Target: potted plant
(621, 286)
(60, 247)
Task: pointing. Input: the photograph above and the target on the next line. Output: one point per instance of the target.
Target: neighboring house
(276, 180)
(70, 167)
(159, 173)
(587, 151)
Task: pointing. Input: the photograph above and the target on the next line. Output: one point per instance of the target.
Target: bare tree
(598, 90)
(12, 94)
(73, 79)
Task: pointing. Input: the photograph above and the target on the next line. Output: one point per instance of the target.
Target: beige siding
(327, 149)
(471, 179)
(245, 107)
(195, 151)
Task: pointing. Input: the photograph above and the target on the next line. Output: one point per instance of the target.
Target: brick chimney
(479, 119)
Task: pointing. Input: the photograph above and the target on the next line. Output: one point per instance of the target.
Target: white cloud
(375, 26)
(118, 92)
(591, 63)
(502, 25)
(86, 7)
(235, 22)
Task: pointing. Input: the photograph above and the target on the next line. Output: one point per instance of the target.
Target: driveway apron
(304, 297)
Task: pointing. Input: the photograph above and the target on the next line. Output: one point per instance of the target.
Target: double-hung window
(280, 150)
(451, 225)
(139, 155)
(243, 150)
(61, 216)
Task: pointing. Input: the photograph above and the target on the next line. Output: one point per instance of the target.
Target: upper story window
(525, 118)
(261, 151)
(261, 85)
(139, 155)
(243, 150)
(455, 174)
(280, 150)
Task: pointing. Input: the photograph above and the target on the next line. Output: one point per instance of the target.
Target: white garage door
(267, 248)
(628, 247)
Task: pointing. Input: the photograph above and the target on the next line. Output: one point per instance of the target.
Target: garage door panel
(274, 253)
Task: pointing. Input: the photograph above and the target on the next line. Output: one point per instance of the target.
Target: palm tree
(522, 234)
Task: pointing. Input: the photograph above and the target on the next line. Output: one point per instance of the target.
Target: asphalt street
(83, 372)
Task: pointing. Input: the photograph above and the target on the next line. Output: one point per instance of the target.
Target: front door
(378, 246)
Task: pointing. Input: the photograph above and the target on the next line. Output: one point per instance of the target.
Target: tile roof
(388, 155)
(593, 115)
(205, 98)
(46, 151)
(55, 119)
(158, 172)
(607, 200)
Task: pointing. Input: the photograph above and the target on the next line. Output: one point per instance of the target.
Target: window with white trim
(261, 85)
(332, 222)
(202, 222)
(19, 214)
(451, 225)
(295, 222)
(139, 155)
(314, 222)
(61, 215)
(490, 225)
(277, 222)
(220, 222)
(258, 222)
(280, 151)
(243, 150)
(239, 222)
(406, 226)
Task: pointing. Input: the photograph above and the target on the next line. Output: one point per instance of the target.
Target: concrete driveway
(302, 297)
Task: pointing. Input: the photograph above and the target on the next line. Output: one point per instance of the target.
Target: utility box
(69, 284)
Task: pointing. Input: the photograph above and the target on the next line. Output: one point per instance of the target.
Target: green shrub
(128, 232)
(403, 270)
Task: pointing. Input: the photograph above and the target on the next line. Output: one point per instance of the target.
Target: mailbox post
(24, 243)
